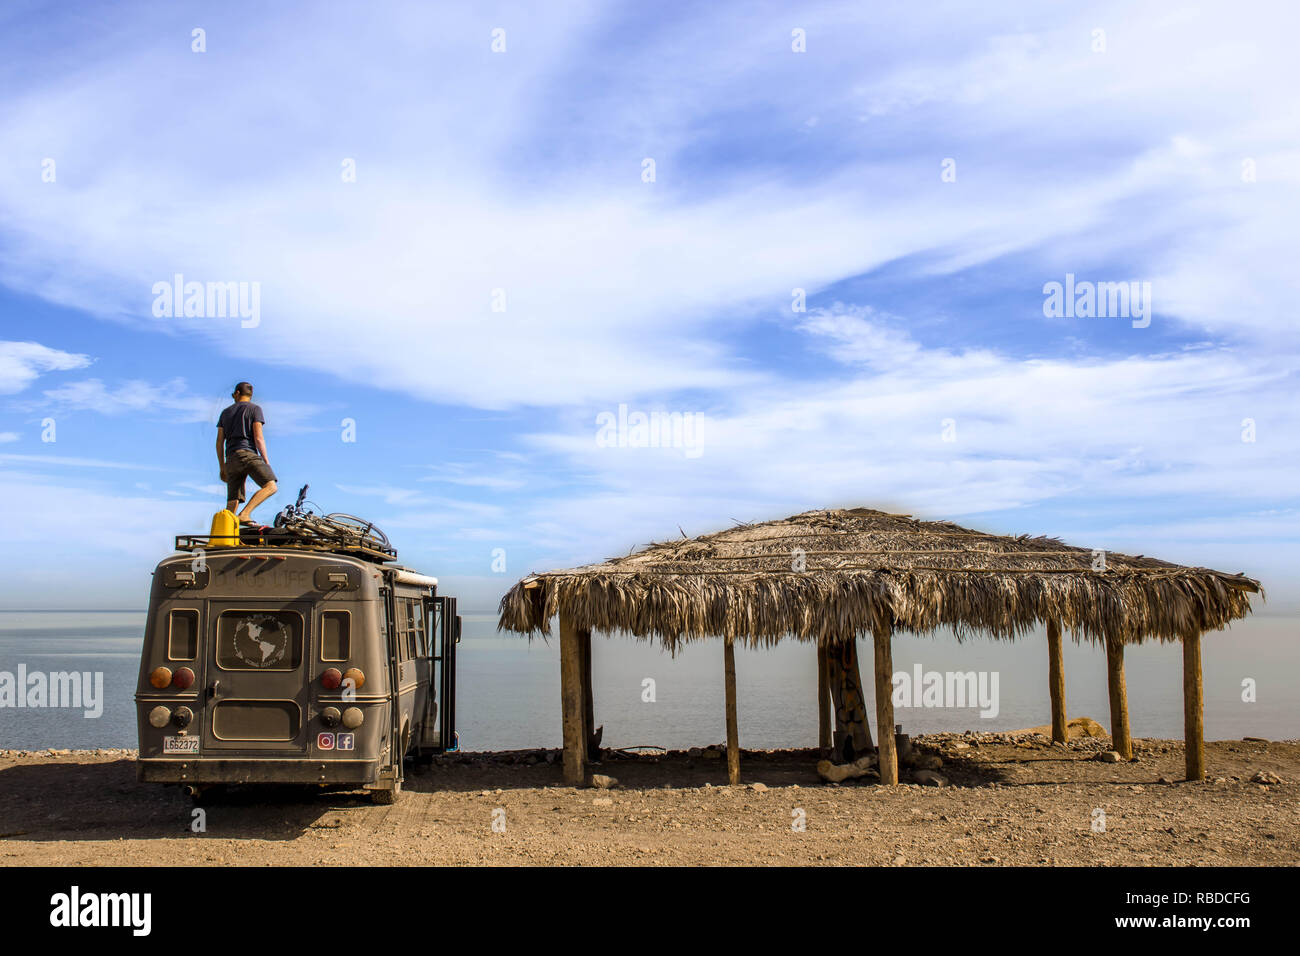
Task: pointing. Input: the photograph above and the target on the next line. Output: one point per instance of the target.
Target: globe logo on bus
(261, 640)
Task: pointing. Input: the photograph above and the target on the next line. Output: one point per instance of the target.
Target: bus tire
(386, 798)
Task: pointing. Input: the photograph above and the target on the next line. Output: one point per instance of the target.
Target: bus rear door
(256, 684)
(443, 627)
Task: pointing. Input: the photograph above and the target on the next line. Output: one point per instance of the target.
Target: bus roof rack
(338, 533)
(278, 538)
(297, 526)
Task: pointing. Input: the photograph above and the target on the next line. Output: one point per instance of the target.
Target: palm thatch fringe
(843, 574)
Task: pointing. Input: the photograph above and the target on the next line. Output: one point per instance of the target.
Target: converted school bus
(278, 662)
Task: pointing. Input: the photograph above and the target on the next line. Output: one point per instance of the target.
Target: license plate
(180, 745)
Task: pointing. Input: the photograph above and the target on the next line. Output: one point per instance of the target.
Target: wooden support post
(1193, 709)
(839, 726)
(575, 746)
(733, 733)
(886, 751)
(823, 702)
(1056, 681)
(862, 727)
(588, 700)
(1119, 736)
(852, 737)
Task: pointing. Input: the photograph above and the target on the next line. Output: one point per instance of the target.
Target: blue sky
(1163, 149)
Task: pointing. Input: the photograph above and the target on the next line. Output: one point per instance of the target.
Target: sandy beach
(1010, 799)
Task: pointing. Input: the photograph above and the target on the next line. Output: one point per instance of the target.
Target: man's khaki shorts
(242, 464)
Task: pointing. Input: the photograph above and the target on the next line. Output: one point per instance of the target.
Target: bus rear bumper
(207, 770)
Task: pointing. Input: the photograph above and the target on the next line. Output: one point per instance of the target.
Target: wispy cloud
(613, 286)
(171, 401)
(949, 433)
(21, 363)
(75, 462)
(209, 489)
(493, 477)
(422, 509)
(500, 250)
(387, 493)
(131, 397)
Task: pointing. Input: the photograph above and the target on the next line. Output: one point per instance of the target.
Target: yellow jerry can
(225, 530)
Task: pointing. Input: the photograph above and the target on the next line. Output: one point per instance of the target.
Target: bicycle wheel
(361, 528)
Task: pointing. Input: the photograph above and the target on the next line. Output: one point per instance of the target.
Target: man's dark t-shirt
(236, 424)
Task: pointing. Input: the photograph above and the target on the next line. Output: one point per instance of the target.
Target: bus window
(259, 640)
(335, 635)
(400, 625)
(183, 635)
(412, 627)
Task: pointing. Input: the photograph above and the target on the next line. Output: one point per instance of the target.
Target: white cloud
(108, 542)
(389, 494)
(75, 462)
(614, 287)
(851, 336)
(130, 396)
(522, 173)
(494, 477)
(1164, 429)
(211, 489)
(171, 400)
(21, 363)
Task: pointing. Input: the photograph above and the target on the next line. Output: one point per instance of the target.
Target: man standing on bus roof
(241, 452)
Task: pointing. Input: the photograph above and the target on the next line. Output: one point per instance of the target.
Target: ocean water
(509, 686)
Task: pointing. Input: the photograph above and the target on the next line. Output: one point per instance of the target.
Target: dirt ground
(1010, 801)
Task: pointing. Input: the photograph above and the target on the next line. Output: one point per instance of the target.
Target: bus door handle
(213, 689)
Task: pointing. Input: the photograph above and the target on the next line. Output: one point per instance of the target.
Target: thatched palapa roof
(826, 576)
